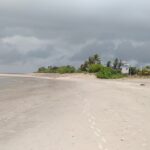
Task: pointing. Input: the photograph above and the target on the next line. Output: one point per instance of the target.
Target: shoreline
(66, 76)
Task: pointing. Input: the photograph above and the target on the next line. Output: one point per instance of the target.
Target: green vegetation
(42, 70)
(93, 68)
(93, 64)
(140, 72)
(61, 70)
(147, 67)
(133, 71)
(109, 63)
(66, 69)
(109, 73)
(144, 72)
(95, 59)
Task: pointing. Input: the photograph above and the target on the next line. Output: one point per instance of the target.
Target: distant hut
(125, 68)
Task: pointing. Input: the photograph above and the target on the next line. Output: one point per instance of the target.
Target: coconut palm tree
(116, 63)
(91, 60)
(84, 66)
(109, 63)
(97, 59)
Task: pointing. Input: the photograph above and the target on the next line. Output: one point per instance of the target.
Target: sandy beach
(73, 112)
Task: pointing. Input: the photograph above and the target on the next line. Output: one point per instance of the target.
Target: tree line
(93, 64)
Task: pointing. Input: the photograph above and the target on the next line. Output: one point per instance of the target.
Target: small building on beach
(125, 68)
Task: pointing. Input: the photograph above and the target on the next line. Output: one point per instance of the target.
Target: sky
(35, 33)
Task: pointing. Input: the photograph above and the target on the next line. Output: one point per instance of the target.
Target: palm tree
(97, 59)
(109, 63)
(116, 63)
(84, 66)
(91, 60)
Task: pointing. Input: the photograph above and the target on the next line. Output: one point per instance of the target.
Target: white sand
(74, 112)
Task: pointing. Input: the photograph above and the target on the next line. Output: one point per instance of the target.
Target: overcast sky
(36, 33)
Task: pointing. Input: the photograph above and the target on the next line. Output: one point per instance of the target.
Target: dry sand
(73, 112)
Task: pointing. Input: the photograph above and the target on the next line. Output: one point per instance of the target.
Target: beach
(73, 112)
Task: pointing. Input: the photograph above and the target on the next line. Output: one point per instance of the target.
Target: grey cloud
(125, 50)
(128, 51)
(62, 31)
(104, 48)
(8, 54)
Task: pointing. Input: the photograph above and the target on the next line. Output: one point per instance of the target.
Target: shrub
(62, 69)
(133, 71)
(93, 68)
(42, 70)
(51, 69)
(109, 73)
(146, 72)
(66, 69)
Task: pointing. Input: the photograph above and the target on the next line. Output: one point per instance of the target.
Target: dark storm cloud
(44, 32)
(99, 47)
(128, 51)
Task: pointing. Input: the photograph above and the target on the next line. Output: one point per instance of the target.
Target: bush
(145, 72)
(62, 69)
(109, 73)
(133, 71)
(51, 69)
(42, 70)
(93, 68)
(66, 69)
